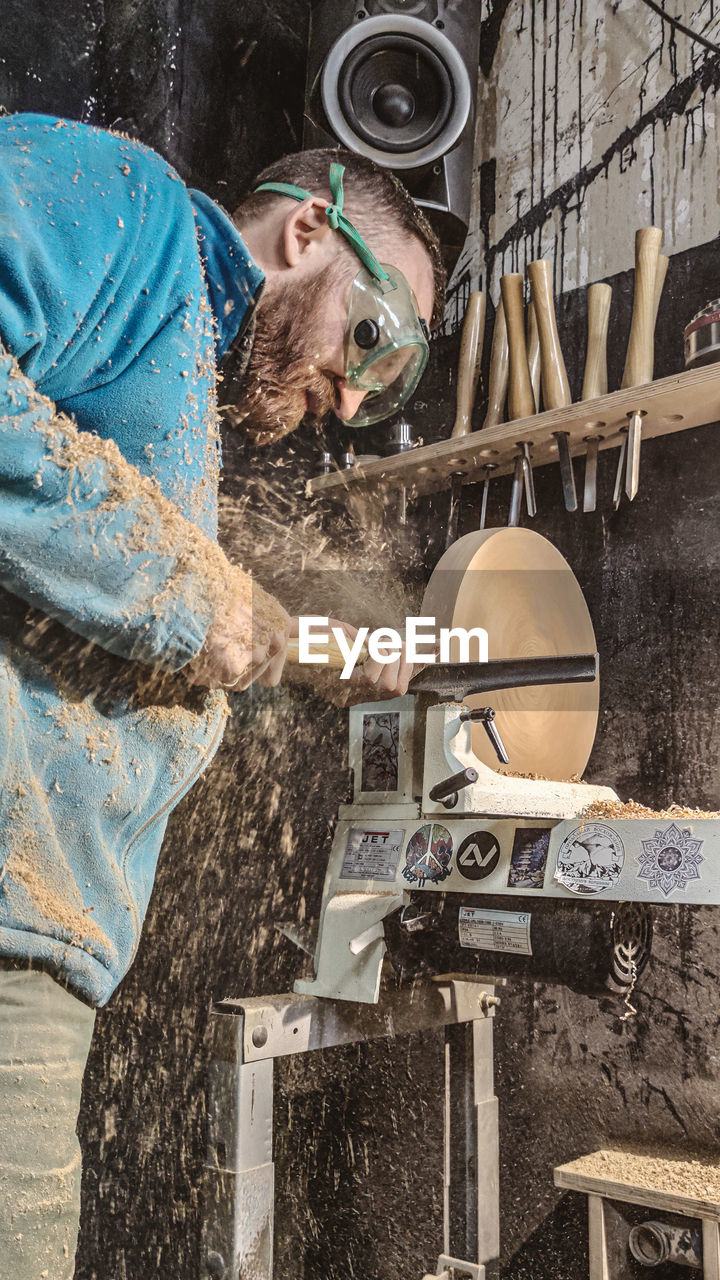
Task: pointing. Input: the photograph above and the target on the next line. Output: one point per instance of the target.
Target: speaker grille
(397, 90)
(395, 93)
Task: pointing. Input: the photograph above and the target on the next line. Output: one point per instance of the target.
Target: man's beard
(283, 365)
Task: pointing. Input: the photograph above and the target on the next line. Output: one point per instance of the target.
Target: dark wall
(218, 87)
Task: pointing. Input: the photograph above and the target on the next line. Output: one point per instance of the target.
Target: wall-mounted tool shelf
(678, 403)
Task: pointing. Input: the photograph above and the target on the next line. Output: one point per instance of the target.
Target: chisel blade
(591, 463)
(516, 494)
(619, 474)
(454, 512)
(566, 470)
(488, 469)
(634, 440)
(530, 502)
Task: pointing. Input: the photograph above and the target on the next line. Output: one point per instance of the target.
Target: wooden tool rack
(681, 402)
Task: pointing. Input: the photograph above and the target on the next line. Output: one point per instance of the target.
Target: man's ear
(305, 230)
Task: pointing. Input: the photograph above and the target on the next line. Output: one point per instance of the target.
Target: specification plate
(372, 855)
(486, 930)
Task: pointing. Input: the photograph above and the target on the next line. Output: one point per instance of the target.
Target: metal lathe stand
(247, 1035)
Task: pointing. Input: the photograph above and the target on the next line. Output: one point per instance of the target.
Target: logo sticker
(529, 858)
(428, 855)
(590, 859)
(670, 859)
(478, 855)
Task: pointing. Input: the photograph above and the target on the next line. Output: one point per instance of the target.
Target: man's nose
(347, 400)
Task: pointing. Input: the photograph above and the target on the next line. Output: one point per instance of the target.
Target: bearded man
(121, 621)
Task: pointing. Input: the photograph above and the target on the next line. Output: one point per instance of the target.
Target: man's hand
(391, 678)
(232, 658)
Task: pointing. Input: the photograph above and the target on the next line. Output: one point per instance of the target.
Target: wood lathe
(449, 862)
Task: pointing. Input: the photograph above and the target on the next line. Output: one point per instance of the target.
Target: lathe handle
(336, 659)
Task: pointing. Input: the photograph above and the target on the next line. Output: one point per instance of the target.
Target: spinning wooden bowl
(518, 586)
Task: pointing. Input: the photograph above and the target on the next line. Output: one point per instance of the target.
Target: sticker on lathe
(428, 854)
(670, 859)
(478, 855)
(372, 855)
(590, 859)
(529, 858)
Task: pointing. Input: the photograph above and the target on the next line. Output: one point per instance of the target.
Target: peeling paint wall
(594, 118)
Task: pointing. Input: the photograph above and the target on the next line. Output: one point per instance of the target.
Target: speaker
(396, 81)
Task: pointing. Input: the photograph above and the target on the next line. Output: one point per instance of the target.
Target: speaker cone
(395, 89)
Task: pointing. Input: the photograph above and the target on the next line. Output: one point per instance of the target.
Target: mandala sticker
(590, 859)
(428, 855)
(670, 860)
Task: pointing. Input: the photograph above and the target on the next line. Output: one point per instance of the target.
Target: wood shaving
(631, 809)
(696, 1176)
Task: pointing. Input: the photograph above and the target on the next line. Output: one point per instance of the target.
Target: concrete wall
(630, 138)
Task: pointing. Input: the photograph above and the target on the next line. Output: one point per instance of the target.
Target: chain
(630, 1010)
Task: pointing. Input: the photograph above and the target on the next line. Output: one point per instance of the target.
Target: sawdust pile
(631, 809)
(694, 1176)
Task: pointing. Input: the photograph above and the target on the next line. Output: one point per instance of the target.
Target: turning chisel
(640, 356)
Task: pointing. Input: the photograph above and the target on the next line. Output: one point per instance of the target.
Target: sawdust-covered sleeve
(93, 543)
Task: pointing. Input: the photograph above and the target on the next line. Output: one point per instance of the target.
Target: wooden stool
(690, 1187)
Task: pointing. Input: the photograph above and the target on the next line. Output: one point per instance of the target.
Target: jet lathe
(461, 874)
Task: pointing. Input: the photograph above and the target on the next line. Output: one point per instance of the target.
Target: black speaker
(396, 80)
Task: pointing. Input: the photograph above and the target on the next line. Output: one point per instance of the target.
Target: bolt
(488, 1002)
(260, 1037)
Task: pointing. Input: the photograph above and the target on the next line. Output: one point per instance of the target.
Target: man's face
(296, 369)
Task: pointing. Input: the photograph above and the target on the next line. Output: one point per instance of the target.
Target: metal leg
(247, 1036)
(711, 1250)
(240, 1182)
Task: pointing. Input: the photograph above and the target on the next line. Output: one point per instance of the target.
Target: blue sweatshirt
(119, 292)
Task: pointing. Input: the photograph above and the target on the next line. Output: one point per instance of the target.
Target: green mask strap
(335, 217)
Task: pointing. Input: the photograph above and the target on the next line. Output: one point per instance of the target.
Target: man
(121, 620)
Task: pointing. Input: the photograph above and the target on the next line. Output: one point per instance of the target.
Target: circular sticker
(428, 854)
(590, 859)
(478, 855)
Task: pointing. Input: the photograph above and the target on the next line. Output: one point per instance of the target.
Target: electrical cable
(680, 26)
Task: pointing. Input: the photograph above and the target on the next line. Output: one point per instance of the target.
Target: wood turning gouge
(499, 370)
(469, 363)
(650, 274)
(488, 469)
(553, 375)
(595, 381)
(516, 492)
(530, 503)
(521, 401)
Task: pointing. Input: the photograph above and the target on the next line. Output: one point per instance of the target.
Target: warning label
(486, 930)
(372, 855)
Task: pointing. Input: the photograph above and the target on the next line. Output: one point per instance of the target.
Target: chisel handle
(662, 268)
(554, 379)
(336, 660)
(533, 351)
(499, 368)
(521, 401)
(469, 362)
(640, 359)
(595, 381)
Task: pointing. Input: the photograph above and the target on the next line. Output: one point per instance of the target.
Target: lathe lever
(486, 717)
(447, 790)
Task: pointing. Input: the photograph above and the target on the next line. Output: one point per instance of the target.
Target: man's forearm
(89, 540)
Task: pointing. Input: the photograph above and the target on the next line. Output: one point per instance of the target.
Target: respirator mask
(386, 341)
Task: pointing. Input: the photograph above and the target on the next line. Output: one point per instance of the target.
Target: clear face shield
(386, 341)
(386, 344)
